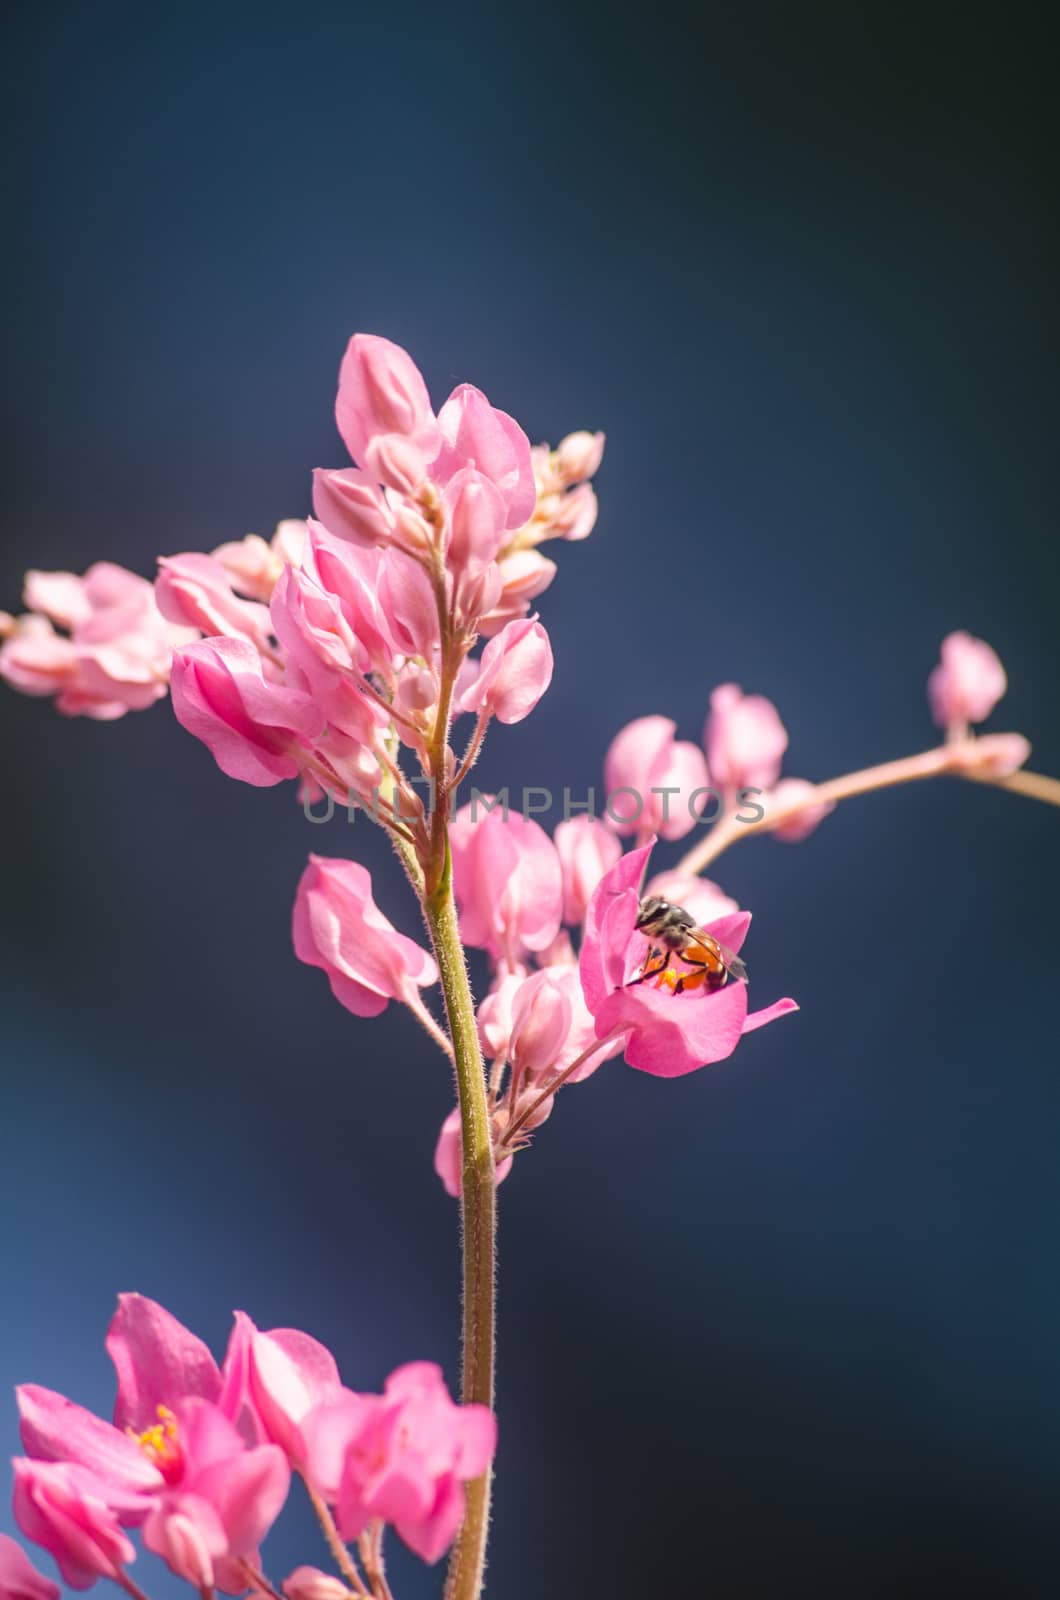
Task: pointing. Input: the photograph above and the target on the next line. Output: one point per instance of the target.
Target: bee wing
(734, 966)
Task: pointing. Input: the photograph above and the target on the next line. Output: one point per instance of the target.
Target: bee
(672, 931)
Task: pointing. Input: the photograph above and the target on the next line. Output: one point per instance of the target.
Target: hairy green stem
(478, 1220)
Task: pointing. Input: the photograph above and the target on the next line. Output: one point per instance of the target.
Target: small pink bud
(587, 848)
(381, 391)
(448, 1157)
(476, 519)
(799, 826)
(541, 1021)
(516, 671)
(396, 461)
(578, 456)
(348, 503)
(992, 755)
(967, 683)
(309, 1583)
(187, 1543)
(744, 739)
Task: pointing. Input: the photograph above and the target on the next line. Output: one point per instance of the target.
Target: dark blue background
(786, 1327)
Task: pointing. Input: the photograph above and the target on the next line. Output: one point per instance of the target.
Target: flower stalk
(478, 1220)
(959, 759)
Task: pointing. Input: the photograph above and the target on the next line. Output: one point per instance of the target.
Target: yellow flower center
(160, 1443)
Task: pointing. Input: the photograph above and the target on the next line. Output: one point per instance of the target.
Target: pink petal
(158, 1361)
(779, 1008)
(53, 1428)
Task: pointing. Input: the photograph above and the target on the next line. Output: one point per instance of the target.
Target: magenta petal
(55, 1429)
(158, 1361)
(594, 962)
(731, 930)
(779, 1008)
(248, 1492)
(19, 1578)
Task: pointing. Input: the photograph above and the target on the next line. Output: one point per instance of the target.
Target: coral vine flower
(19, 1578)
(644, 760)
(744, 738)
(666, 1034)
(967, 683)
(508, 882)
(337, 926)
(255, 729)
(61, 1508)
(403, 1456)
(117, 656)
(587, 848)
(516, 670)
(476, 434)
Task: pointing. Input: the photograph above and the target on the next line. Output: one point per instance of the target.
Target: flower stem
(945, 760)
(478, 1217)
(340, 1555)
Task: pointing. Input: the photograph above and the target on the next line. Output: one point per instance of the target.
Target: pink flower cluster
(114, 649)
(552, 1016)
(658, 784)
(199, 1457)
(362, 644)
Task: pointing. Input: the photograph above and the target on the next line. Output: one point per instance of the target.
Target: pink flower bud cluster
(99, 644)
(199, 1458)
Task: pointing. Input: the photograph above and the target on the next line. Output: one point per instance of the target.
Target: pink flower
(256, 730)
(523, 576)
(508, 881)
(62, 1508)
(449, 1156)
(220, 1501)
(196, 590)
(967, 683)
(381, 391)
(643, 762)
(796, 791)
(516, 670)
(699, 896)
(254, 566)
(403, 1456)
(19, 1578)
(666, 1034)
(350, 505)
(309, 1583)
(117, 658)
(175, 1459)
(744, 739)
(578, 456)
(477, 512)
(338, 927)
(587, 847)
(476, 434)
(281, 1375)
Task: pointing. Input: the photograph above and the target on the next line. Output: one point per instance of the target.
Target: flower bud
(799, 826)
(349, 505)
(967, 683)
(744, 739)
(381, 391)
(993, 755)
(309, 1583)
(516, 671)
(579, 455)
(396, 461)
(541, 1021)
(476, 520)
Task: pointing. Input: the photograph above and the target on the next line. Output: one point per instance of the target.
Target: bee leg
(649, 971)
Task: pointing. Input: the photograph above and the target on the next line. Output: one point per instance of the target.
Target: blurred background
(789, 1326)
